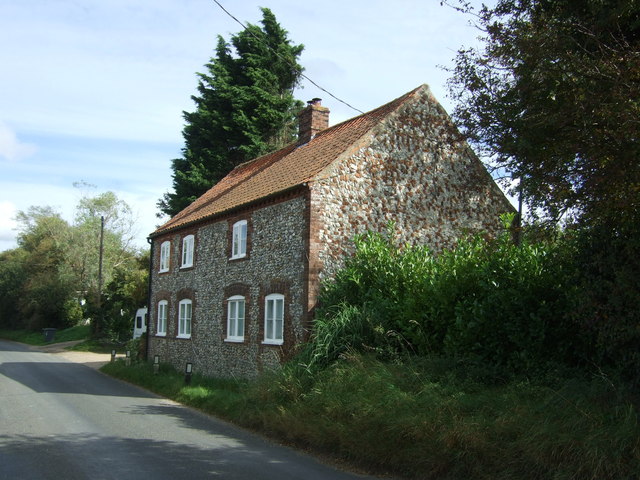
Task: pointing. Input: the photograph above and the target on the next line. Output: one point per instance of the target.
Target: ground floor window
(235, 318)
(184, 319)
(161, 327)
(274, 319)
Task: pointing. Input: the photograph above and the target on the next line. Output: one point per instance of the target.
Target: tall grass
(429, 418)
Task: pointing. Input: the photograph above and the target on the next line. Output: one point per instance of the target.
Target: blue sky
(93, 90)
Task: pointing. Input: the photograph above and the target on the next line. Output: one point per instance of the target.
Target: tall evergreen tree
(244, 108)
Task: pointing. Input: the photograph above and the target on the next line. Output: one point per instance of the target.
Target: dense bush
(607, 295)
(518, 307)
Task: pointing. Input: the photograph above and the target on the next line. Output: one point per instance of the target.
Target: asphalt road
(64, 420)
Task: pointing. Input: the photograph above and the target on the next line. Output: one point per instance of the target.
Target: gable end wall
(413, 170)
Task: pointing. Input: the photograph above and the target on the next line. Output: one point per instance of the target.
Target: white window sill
(238, 257)
(184, 336)
(163, 271)
(272, 342)
(190, 265)
(234, 340)
(161, 334)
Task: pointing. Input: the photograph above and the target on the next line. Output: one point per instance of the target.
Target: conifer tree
(244, 108)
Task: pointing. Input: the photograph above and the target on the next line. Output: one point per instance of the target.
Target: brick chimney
(313, 119)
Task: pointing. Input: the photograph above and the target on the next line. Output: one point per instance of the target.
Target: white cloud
(11, 148)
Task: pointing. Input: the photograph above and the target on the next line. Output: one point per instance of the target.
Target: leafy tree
(553, 98)
(244, 108)
(46, 287)
(12, 279)
(123, 295)
(84, 252)
(84, 239)
(54, 270)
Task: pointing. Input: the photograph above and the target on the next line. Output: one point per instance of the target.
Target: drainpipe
(146, 346)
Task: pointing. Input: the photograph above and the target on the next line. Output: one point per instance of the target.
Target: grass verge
(428, 419)
(80, 332)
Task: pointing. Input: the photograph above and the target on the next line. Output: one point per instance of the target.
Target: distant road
(62, 420)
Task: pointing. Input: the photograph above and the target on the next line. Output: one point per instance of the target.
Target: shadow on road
(82, 456)
(67, 377)
(112, 457)
(194, 420)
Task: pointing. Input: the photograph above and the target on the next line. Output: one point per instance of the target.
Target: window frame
(270, 334)
(238, 240)
(163, 306)
(165, 256)
(188, 247)
(185, 322)
(232, 321)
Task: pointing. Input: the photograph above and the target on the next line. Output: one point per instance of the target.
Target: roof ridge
(372, 113)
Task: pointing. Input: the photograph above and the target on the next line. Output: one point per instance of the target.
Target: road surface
(65, 420)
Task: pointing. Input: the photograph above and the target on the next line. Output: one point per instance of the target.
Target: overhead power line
(285, 59)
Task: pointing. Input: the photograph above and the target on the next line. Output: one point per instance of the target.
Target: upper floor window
(239, 240)
(165, 252)
(161, 327)
(187, 251)
(235, 318)
(184, 318)
(274, 319)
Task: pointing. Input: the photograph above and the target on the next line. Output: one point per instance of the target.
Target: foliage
(42, 285)
(83, 260)
(51, 279)
(607, 301)
(244, 108)
(12, 278)
(552, 97)
(122, 296)
(428, 418)
(489, 300)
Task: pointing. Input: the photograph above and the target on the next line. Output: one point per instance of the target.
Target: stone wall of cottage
(275, 263)
(413, 170)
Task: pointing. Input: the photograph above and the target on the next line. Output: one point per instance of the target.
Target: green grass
(97, 346)
(428, 419)
(80, 332)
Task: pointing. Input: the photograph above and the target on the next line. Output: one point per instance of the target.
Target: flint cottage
(235, 275)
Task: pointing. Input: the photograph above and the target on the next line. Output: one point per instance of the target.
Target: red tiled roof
(282, 170)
